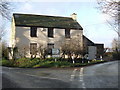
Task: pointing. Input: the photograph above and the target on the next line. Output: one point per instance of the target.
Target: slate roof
(45, 21)
(89, 42)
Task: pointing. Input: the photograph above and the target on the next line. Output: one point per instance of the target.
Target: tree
(115, 45)
(2, 32)
(4, 50)
(21, 52)
(116, 49)
(4, 14)
(42, 51)
(111, 8)
(70, 47)
(5, 9)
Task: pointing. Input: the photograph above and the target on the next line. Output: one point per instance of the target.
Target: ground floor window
(50, 46)
(33, 48)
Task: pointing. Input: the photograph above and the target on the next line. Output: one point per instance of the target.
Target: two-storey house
(30, 31)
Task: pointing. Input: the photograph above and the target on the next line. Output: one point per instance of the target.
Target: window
(50, 32)
(33, 48)
(33, 32)
(50, 46)
(67, 33)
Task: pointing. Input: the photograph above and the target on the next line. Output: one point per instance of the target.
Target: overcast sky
(89, 17)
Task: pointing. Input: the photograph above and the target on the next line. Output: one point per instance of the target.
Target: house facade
(30, 32)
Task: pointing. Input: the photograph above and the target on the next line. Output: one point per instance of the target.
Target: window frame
(67, 33)
(33, 31)
(50, 32)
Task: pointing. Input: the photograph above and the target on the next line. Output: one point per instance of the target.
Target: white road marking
(81, 78)
(73, 75)
(13, 68)
(81, 75)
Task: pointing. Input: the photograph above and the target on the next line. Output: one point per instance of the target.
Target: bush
(44, 64)
(36, 62)
(5, 62)
(53, 59)
(26, 62)
(116, 55)
(53, 64)
(5, 50)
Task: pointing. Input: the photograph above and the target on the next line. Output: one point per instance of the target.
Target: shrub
(116, 55)
(44, 64)
(5, 51)
(53, 59)
(5, 62)
(53, 64)
(26, 62)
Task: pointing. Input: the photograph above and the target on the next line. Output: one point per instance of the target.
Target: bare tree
(21, 52)
(5, 9)
(72, 46)
(116, 49)
(2, 32)
(111, 8)
(42, 51)
(115, 45)
(4, 50)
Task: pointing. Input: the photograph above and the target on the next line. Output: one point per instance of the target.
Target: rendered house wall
(23, 38)
(12, 34)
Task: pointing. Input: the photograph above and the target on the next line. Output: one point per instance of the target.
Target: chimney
(74, 16)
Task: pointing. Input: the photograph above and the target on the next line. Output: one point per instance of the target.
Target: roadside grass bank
(47, 63)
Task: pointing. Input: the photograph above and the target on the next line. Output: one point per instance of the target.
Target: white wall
(12, 34)
(23, 38)
(92, 51)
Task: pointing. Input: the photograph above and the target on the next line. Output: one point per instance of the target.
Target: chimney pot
(74, 16)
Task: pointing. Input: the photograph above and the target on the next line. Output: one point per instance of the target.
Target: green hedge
(26, 62)
(5, 62)
(53, 64)
(37, 63)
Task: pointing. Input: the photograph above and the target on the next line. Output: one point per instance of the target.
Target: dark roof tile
(46, 21)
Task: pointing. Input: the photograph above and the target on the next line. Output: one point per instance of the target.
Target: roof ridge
(41, 15)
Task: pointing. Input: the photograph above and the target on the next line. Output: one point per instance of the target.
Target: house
(30, 32)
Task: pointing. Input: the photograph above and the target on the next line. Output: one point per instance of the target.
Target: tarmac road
(103, 75)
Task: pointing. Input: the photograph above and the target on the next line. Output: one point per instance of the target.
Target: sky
(89, 17)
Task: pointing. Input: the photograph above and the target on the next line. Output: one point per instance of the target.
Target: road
(103, 75)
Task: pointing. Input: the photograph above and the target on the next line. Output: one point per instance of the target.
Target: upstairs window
(33, 32)
(67, 33)
(50, 32)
